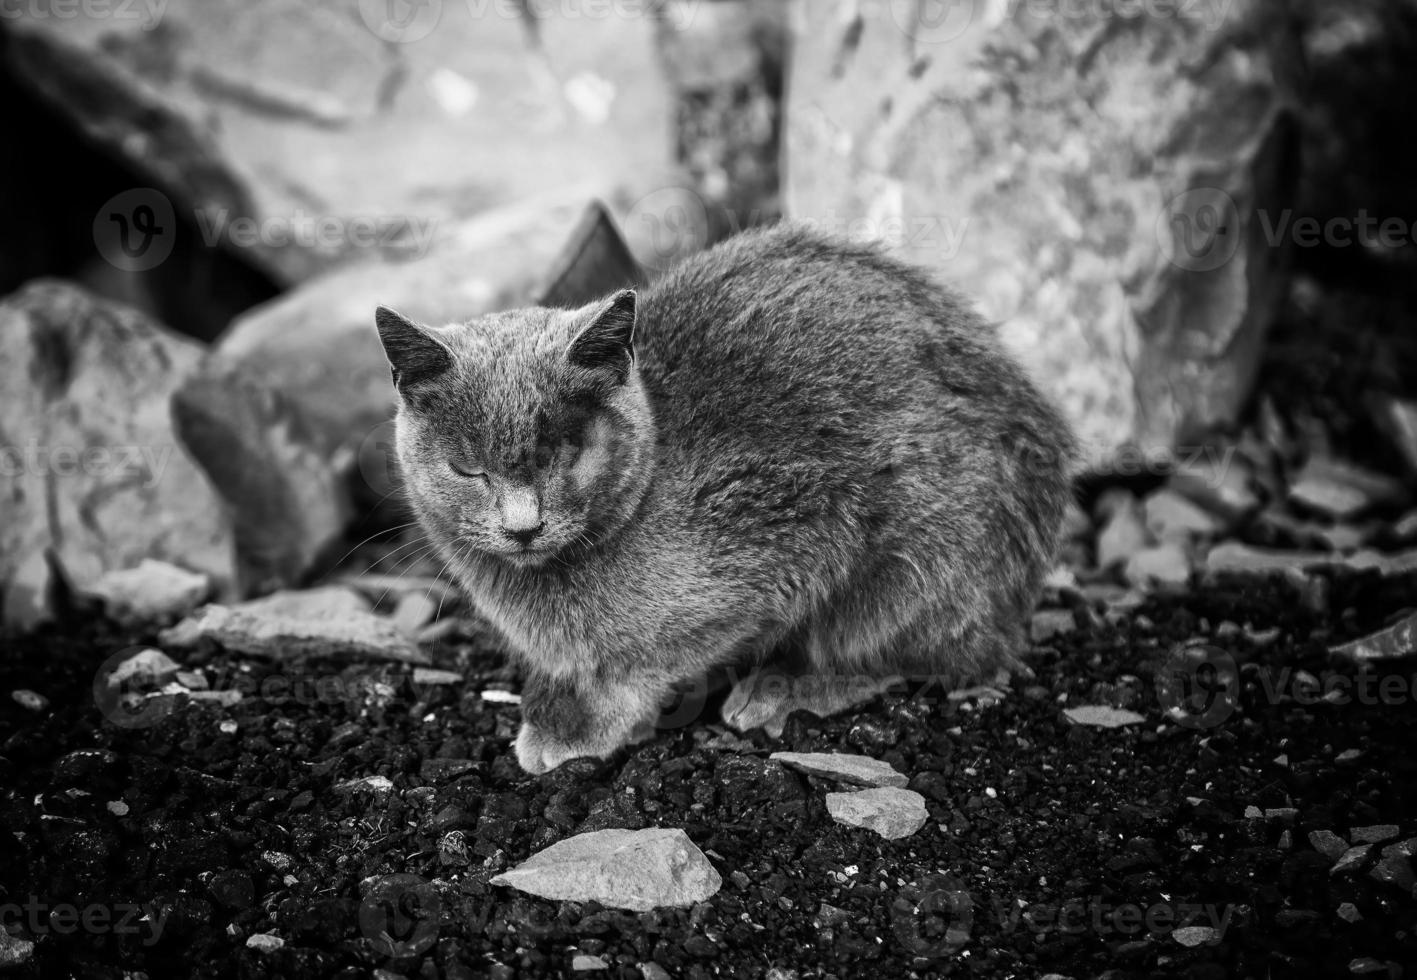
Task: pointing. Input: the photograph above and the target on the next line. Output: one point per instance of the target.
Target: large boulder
(1103, 184)
(410, 119)
(90, 468)
(294, 401)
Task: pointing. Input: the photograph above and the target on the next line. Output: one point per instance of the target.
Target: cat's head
(524, 434)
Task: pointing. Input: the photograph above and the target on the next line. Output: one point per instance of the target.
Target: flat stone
(890, 811)
(354, 636)
(93, 471)
(149, 666)
(1234, 557)
(582, 962)
(1327, 843)
(29, 700)
(1163, 565)
(1400, 563)
(1394, 868)
(1195, 935)
(1102, 716)
(432, 675)
(1398, 640)
(1340, 489)
(1374, 834)
(1350, 859)
(1219, 482)
(325, 602)
(153, 591)
(265, 942)
(1170, 516)
(856, 770)
(640, 870)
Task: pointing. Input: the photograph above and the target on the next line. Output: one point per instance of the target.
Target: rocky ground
(1191, 783)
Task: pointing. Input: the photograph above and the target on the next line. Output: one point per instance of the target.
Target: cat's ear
(414, 354)
(607, 343)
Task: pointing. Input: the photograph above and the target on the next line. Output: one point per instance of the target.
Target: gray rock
(1340, 489)
(14, 951)
(152, 591)
(1375, 834)
(304, 165)
(29, 700)
(1235, 557)
(1048, 623)
(857, 770)
(638, 870)
(890, 811)
(90, 468)
(1398, 640)
(1125, 226)
(1123, 532)
(1102, 716)
(1327, 843)
(1171, 516)
(1218, 481)
(1166, 564)
(331, 622)
(1350, 859)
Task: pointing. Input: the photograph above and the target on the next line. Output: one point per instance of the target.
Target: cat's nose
(523, 535)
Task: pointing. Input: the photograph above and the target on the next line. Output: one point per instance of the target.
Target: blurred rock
(1398, 419)
(1219, 482)
(1048, 623)
(1124, 532)
(371, 151)
(151, 592)
(1109, 219)
(1232, 556)
(639, 870)
(1165, 564)
(1172, 517)
(1342, 490)
(91, 468)
(318, 623)
(295, 399)
(890, 811)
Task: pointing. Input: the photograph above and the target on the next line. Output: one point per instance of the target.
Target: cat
(792, 452)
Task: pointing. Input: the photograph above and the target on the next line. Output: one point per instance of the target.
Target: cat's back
(785, 337)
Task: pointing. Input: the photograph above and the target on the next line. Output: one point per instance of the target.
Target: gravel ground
(1193, 845)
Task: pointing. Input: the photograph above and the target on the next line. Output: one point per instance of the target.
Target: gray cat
(792, 453)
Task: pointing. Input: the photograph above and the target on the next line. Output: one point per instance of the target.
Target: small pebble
(228, 727)
(1375, 834)
(1351, 858)
(118, 808)
(582, 962)
(1327, 843)
(1195, 935)
(1348, 912)
(265, 942)
(30, 700)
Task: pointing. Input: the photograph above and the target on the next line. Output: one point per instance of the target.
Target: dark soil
(1050, 847)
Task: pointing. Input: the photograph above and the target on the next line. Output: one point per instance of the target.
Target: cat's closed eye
(469, 472)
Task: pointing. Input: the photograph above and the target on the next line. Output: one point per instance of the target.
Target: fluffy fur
(792, 453)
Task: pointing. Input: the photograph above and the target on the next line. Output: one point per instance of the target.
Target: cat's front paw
(539, 751)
